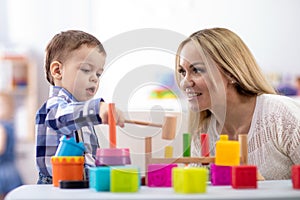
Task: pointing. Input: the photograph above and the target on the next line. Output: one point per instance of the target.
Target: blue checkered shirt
(61, 115)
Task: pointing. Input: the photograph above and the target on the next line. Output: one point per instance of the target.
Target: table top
(266, 190)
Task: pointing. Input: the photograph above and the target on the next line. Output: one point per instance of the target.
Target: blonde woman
(228, 94)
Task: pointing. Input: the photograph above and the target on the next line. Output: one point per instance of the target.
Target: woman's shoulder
(279, 105)
(277, 100)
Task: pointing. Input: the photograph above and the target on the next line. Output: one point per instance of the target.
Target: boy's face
(80, 73)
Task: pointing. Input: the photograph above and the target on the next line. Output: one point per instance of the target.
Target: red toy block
(244, 177)
(296, 176)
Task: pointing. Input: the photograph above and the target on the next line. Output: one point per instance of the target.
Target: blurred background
(270, 28)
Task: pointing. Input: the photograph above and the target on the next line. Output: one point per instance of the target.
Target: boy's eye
(98, 75)
(85, 70)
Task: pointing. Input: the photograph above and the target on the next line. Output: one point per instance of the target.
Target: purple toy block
(160, 175)
(220, 175)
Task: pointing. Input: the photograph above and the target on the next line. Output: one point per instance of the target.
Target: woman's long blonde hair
(234, 58)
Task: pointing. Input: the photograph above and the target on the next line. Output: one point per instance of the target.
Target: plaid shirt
(61, 115)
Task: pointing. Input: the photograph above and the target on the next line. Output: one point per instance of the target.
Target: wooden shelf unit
(18, 78)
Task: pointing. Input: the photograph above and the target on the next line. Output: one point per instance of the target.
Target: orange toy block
(227, 152)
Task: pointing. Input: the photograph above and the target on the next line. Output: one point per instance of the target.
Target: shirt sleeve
(65, 117)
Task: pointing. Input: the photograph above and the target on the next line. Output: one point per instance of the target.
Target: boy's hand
(119, 117)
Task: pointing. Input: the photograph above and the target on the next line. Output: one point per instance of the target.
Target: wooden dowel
(112, 125)
(142, 123)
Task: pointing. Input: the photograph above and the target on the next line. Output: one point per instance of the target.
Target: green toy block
(227, 152)
(124, 179)
(189, 180)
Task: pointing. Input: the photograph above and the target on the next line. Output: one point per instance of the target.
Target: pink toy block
(296, 176)
(244, 177)
(160, 175)
(220, 175)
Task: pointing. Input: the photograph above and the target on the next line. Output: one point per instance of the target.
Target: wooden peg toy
(112, 125)
(168, 127)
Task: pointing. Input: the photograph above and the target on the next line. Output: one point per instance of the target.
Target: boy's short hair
(65, 42)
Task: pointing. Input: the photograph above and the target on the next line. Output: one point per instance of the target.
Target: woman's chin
(194, 107)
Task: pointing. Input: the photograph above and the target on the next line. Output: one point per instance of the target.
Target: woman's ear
(55, 69)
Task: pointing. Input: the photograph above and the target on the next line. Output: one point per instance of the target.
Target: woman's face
(194, 78)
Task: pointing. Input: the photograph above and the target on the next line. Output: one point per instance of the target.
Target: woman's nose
(187, 82)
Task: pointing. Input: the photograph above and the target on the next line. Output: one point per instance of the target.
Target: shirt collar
(60, 91)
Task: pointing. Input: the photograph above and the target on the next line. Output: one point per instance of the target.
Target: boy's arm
(66, 117)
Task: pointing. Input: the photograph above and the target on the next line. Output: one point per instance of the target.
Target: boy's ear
(55, 69)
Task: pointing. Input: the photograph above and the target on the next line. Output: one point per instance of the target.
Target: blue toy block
(99, 178)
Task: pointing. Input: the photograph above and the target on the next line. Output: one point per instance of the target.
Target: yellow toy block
(189, 179)
(124, 179)
(227, 152)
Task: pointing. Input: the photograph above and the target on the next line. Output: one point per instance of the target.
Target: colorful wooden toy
(160, 175)
(244, 176)
(168, 126)
(124, 179)
(227, 152)
(220, 175)
(204, 140)
(189, 180)
(112, 125)
(168, 152)
(112, 156)
(296, 176)
(99, 178)
(186, 145)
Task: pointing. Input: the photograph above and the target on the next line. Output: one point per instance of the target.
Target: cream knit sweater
(273, 138)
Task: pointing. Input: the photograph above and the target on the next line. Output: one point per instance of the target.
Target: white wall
(269, 27)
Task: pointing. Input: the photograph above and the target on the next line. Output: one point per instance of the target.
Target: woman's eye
(182, 72)
(198, 70)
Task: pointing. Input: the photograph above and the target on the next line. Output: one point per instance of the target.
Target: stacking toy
(69, 147)
(112, 156)
(69, 168)
(100, 178)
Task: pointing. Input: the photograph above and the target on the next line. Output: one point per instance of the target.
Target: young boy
(73, 65)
